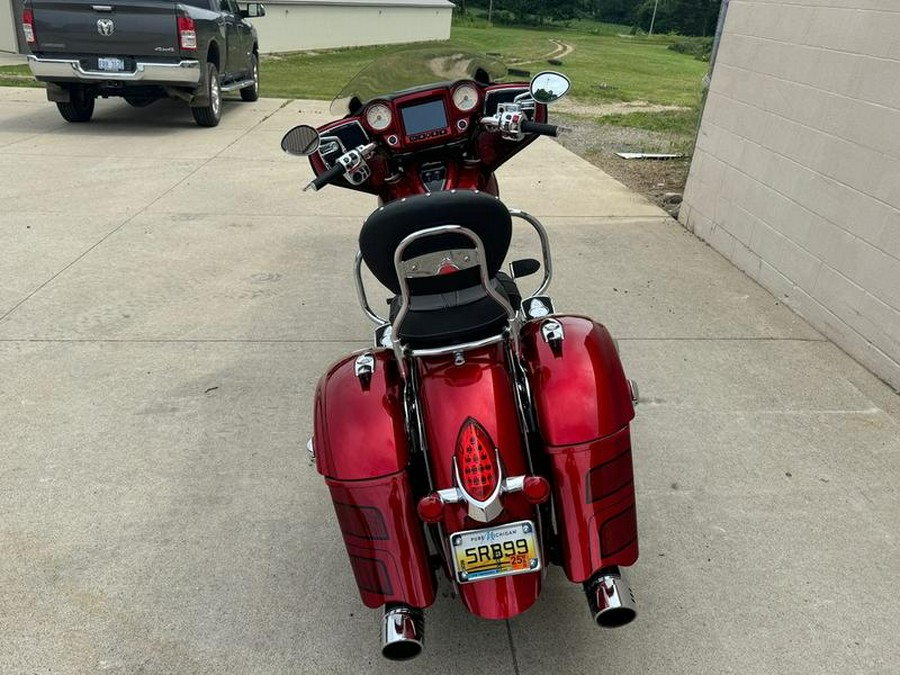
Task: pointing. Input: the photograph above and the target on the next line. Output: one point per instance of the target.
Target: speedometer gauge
(378, 117)
(465, 97)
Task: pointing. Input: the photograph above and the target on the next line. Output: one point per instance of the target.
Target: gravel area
(662, 181)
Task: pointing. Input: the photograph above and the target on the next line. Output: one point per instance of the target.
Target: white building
(10, 16)
(294, 25)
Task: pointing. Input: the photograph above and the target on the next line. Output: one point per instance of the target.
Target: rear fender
(482, 389)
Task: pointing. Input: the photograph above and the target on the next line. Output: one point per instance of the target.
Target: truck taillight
(187, 33)
(28, 26)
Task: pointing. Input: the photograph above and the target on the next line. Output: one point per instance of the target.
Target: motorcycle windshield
(409, 69)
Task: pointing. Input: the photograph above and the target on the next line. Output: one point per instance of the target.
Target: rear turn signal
(187, 33)
(431, 508)
(536, 489)
(476, 456)
(28, 26)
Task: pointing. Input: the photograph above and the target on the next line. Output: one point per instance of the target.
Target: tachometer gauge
(465, 97)
(378, 117)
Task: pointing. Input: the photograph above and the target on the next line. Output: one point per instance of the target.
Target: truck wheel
(209, 115)
(80, 107)
(251, 93)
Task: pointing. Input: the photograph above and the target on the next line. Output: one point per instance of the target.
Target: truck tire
(251, 93)
(209, 115)
(80, 107)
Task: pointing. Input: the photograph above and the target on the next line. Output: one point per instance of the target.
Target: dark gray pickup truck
(143, 50)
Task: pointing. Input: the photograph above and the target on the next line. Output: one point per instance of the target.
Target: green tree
(687, 17)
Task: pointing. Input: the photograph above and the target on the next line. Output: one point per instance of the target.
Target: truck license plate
(495, 552)
(110, 64)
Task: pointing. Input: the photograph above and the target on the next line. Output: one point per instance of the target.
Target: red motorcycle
(483, 435)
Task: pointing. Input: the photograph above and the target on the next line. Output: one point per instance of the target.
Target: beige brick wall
(796, 174)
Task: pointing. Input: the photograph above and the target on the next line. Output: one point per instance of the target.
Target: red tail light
(28, 26)
(187, 33)
(476, 457)
(431, 508)
(536, 489)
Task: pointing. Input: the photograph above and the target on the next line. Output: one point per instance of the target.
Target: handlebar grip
(540, 129)
(324, 179)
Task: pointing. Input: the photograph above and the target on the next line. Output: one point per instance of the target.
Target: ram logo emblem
(105, 27)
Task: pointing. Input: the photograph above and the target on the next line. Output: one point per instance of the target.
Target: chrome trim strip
(231, 86)
(462, 347)
(183, 72)
(361, 291)
(429, 264)
(545, 248)
(482, 510)
(487, 510)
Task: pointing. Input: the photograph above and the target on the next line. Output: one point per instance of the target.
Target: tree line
(686, 17)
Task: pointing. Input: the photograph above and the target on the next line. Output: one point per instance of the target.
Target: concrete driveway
(168, 299)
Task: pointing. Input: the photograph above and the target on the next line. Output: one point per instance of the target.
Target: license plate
(110, 64)
(495, 552)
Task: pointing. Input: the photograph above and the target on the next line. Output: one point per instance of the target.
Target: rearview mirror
(302, 140)
(253, 11)
(548, 86)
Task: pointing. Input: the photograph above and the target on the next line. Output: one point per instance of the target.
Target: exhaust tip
(403, 633)
(610, 599)
(616, 617)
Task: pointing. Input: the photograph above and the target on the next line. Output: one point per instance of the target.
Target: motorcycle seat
(443, 319)
(445, 309)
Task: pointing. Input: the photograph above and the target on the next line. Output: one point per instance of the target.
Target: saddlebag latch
(365, 367)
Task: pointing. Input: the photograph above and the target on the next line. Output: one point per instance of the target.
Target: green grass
(607, 64)
(17, 76)
(603, 67)
(677, 122)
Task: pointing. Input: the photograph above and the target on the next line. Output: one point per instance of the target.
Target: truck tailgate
(74, 27)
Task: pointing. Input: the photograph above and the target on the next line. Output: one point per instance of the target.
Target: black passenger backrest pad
(383, 231)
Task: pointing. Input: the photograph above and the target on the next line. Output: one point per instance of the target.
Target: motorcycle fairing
(584, 407)
(492, 149)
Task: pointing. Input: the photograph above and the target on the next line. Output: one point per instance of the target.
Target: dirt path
(572, 107)
(562, 49)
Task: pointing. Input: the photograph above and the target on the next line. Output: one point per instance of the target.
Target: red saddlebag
(584, 408)
(361, 449)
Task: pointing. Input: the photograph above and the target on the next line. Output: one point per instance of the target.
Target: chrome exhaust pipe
(610, 599)
(403, 632)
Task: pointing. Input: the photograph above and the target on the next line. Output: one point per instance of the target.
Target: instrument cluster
(433, 116)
